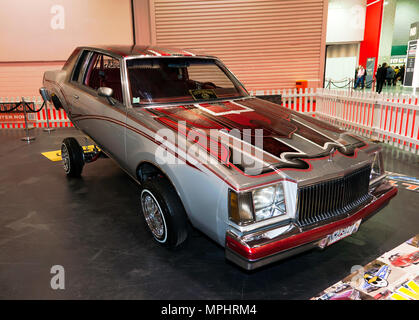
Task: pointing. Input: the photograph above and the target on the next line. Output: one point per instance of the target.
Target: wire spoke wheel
(72, 157)
(65, 158)
(163, 211)
(153, 215)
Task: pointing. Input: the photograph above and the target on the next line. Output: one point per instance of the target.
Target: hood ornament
(332, 151)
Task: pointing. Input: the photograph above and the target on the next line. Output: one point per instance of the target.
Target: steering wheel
(208, 85)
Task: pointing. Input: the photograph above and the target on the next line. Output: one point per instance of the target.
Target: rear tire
(163, 212)
(72, 155)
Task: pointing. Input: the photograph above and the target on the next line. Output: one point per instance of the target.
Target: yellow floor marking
(56, 155)
(53, 155)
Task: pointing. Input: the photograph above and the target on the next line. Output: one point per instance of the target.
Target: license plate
(339, 234)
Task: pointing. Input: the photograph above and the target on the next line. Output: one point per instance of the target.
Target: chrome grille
(332, 198)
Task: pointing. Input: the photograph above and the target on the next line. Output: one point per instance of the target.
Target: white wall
(407, 12)
(346, 21)
(387, 27)
(341, 61)
(340, 68)
(49, 30)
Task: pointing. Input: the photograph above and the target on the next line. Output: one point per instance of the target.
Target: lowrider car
(263, 181)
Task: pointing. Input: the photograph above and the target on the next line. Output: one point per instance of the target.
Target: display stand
(28, 138)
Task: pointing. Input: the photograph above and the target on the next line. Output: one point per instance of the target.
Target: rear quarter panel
(55, 83)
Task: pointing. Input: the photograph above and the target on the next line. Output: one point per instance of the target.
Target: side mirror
(44, 94)
(107, 93)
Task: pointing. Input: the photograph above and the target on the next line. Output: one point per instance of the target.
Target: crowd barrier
(348, 84)
(386, 117)
(15, 119)
(301, 100)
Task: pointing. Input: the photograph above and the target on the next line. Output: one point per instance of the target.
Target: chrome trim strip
(176, 104)
(378, 179)
(275, 222)
(254, 264)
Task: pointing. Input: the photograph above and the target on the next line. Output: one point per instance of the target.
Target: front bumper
(250, 254)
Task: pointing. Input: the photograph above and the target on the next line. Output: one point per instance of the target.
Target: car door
(103, 119)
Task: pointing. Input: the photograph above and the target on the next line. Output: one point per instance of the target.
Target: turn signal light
(240, 207)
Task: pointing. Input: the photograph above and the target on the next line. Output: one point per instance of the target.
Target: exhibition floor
(91, 226)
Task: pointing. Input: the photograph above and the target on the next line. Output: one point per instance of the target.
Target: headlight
(257, 205)
(377, 169)
(269, 202)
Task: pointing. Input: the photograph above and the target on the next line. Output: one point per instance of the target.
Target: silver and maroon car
(261, 180)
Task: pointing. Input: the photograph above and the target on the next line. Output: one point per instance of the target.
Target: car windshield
(175, 80)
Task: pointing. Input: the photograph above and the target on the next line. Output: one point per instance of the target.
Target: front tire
(163, 212)
(72, 156)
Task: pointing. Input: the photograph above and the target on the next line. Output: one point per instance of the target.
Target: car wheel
(72, 157)
(163, 212)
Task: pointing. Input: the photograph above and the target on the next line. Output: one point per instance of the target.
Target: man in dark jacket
(401, 73)
(380, 77)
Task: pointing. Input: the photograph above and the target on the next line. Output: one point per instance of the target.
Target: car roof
(145, 51)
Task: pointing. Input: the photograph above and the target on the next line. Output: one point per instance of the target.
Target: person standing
(401, 74)
(380, 77)
(390, 75)
(360, 74)
(396, 75)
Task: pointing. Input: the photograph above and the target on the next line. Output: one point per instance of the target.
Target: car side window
(104, 71)
(79, 64)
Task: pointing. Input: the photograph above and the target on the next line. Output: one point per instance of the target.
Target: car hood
(255, 136)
